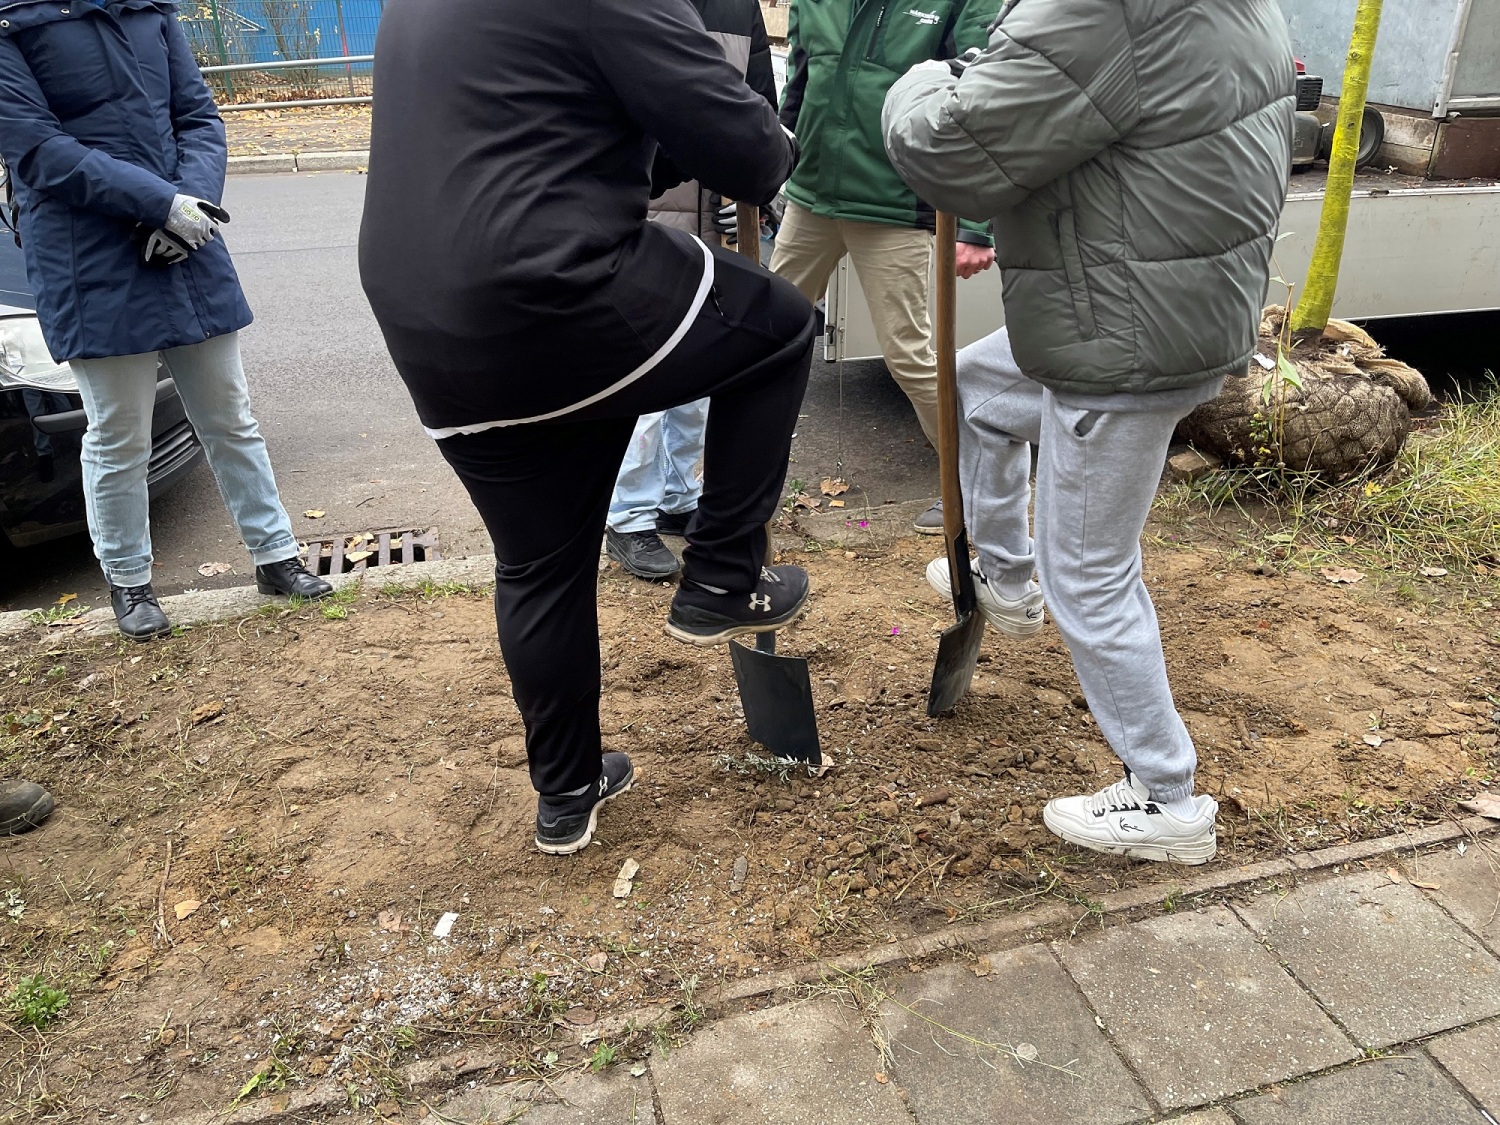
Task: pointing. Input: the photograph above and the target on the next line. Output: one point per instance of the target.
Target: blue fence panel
(249, 31)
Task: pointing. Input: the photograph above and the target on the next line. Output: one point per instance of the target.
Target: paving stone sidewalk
(1371, 995)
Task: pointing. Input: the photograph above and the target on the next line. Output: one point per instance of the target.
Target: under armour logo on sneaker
(603, 785)
(761, 602)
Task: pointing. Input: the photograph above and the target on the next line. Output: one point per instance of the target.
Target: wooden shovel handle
(947, 376)
(747, 230)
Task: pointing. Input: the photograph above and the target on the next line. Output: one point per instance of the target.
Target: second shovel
(958, 648)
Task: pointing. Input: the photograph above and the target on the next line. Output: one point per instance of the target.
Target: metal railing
(283, 52)
(342, 80)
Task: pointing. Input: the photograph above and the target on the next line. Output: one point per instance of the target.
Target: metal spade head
(958, 647)
(777, 695)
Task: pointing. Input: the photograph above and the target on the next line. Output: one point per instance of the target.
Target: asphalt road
(342, 433)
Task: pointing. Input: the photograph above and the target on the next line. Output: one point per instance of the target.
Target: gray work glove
(194, 221)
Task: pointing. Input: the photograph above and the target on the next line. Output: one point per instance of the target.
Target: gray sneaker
(930, 522)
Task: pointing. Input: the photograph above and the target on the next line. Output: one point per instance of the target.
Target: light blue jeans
(119, 397)
(658, 471)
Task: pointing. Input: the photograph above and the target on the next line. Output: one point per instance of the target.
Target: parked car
(42, 424)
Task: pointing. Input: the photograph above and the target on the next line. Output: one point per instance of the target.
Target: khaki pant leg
(895, 266)
(808, 247)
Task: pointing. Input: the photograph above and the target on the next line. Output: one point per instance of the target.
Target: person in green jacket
(845, 198)
(1135, 196)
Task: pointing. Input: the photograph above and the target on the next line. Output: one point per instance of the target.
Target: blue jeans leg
(682, 449)
(119, 397)
(211, 380)
(642, 481)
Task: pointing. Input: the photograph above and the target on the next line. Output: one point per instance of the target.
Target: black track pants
(543, 491)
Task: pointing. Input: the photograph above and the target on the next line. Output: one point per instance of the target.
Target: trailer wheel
(1371, 136)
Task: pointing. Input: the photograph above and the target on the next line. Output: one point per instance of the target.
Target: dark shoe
(138, 612)
(23, 806)
(565, 825)
(674, 523)
(291, 579)
(642, 553)
(930, 522)
(701, 617)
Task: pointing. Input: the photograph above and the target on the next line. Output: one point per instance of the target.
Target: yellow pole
(1316, 304)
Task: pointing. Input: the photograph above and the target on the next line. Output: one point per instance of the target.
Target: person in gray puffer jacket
(1133, 157)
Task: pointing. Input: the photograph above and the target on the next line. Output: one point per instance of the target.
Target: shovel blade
(777, 695)
(957, 654)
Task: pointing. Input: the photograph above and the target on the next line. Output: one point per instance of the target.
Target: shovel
(776, 691)
(958, 649)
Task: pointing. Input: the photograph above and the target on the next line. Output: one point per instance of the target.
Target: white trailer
(1412, 248)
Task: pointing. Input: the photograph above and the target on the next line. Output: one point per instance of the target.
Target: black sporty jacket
(505, 249)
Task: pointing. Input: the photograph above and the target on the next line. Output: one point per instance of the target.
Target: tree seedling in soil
(603, 1056)
(36, 1004)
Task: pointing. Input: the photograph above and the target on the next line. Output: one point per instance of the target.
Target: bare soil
(326, 789)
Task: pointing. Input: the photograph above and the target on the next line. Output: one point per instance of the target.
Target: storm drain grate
(348, 554)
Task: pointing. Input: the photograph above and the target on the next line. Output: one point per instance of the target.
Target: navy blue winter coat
(104, 117)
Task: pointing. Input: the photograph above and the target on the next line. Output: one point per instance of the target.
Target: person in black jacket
(534, 314)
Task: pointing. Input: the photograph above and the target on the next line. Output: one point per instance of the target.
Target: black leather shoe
(642, 553)
(23, 806)
(565, 825)
(290, 579)
(138, 613)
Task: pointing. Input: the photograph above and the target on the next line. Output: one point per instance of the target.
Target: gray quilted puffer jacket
(1133, 156)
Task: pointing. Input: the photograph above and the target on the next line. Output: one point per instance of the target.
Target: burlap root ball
(1352, 412)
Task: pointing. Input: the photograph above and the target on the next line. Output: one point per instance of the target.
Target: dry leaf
(834, 486)
(882, 1078)
(389, 920)
(1374, 740)
(835, 503)
(1394, 876)
(596, 963)
(210, 569)
(66, 598)
(1427, 886)
(1342, 575)
(1433, 572)
(186, 907)
(982, 967)
(315, 513)
(357, 556)
(1485, 804)
(210, 710)
(1027, 1052)
(580, 1016)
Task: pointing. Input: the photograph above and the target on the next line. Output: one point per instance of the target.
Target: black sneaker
(642, 553)
(565, 825)
(138, 613)
(674, 523)
(700, 616)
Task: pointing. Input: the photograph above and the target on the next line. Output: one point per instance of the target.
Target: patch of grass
(1436, 506)
(56, 614)
(34, 1003)
(334, 612)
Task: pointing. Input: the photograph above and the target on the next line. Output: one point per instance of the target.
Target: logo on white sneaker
(1130, 826)
(761, 602)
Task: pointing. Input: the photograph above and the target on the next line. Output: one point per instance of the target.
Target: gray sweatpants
(1099, 462)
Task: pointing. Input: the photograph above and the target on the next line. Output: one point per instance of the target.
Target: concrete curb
(347, 160)
(201, 607)
(432, 1075)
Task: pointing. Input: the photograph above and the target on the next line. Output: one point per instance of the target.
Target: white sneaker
(1122, 819)
(1022, 617)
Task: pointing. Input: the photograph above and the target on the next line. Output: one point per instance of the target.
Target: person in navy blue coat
(117, 156)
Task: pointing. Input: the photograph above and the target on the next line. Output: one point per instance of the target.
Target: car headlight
(25, 360)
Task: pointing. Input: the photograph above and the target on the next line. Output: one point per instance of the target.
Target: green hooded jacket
(844, 56)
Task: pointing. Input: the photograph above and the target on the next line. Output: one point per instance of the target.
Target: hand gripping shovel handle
(958, 648)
